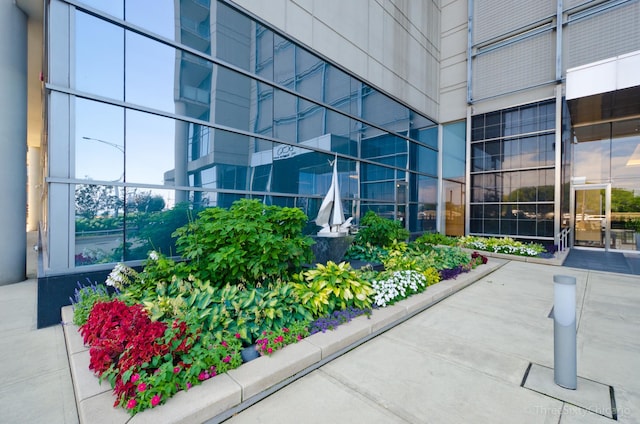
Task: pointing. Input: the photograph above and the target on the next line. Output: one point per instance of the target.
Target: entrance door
(591, 216)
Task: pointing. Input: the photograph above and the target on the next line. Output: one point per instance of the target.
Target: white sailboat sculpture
(331, 216)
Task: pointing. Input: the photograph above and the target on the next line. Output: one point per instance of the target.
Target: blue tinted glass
(454, 150)
(99, 57)
(115, 7)
(161, 18)
(99, 144)
(151, 148)
(427, 136)
(424, 160)
(384, 111)
(150, 76)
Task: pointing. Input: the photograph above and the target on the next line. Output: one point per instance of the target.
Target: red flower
(155, 400)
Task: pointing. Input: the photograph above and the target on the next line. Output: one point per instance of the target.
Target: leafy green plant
(84, 298)
(366, 253)
(277, 339)
(632, 224)
(436, 239)
(502, 245)
(379, 231)
(248, 244)
(331, 287)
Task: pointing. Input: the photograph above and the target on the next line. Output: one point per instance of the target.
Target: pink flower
(270, 350)
(285, 329)
(188, 385)
(279, 339)
(135, 377)
(142, 387)
(176, 370)
(203, 376)
(225, 344)
(155, 400)
(238, 335)
(131, 404)
(226, 359)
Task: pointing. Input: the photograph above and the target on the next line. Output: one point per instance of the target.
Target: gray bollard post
(564, 332)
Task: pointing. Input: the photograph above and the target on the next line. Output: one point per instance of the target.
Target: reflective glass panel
(99, 57)
(151, 148)
(150, 76)
(99, 144)
(454, 150)
(152, 216)
(384, 111)
(99, 230)
(160, 18)
(115, 7)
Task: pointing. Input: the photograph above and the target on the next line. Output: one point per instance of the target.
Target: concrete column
(13, 144)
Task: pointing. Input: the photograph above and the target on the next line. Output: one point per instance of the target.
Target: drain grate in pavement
(590, 395)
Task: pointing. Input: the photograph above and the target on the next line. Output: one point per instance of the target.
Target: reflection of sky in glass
(150, 73)
(98, 160)
(150, 147)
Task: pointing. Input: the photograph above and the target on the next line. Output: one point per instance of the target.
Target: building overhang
(604, 91)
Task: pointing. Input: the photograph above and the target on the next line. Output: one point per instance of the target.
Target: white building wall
(393, 44)
(453, 61)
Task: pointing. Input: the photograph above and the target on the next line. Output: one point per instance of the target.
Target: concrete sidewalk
(35, 382)
(464, 360)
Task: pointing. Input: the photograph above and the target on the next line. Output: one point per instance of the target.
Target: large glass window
(512, 171)
(193, 126)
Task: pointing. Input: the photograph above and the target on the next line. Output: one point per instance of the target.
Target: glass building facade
(513, 172)
(194, 104)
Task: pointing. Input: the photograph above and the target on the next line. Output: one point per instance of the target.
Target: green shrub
(366, 253)
(374, 236)
(379, 231)
(332, 287)
(248, 244)
(436, 239)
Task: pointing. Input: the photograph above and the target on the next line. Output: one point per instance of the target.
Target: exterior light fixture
(564, 332)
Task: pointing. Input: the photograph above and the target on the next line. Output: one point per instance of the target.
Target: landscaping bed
(243, 284)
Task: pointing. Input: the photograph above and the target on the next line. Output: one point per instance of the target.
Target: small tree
(248, 244)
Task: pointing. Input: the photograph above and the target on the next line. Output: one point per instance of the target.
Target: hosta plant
(331, 287)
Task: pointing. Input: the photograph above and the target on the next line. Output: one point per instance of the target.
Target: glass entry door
(591, 216)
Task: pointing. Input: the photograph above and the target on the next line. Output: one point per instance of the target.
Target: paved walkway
(463, 360)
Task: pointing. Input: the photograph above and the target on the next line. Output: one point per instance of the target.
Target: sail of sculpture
(331, 216)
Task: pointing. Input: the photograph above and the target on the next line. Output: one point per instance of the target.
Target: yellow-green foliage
(432, 275)
(332, 287)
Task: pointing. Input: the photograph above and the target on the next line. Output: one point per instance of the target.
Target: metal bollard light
(564, 332)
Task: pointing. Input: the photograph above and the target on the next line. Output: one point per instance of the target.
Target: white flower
(153, 255)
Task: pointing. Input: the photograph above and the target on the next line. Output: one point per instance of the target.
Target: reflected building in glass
(487, 118)
(201, 104)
